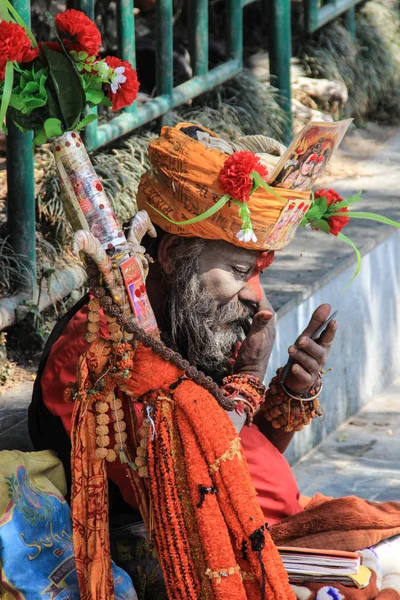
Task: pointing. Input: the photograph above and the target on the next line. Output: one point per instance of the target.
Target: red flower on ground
(83, 33)
(124, 89)
(15, 45)
(336, 224)
(234, 177)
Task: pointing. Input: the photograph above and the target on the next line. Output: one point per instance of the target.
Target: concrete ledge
(365, 356)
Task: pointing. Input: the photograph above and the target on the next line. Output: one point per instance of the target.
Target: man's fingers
(328, 335)
(302, 376)
(312, 348)
(261, 320)
(308, 362)
(318, 318)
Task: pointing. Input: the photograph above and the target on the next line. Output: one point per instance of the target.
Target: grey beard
(204, 333)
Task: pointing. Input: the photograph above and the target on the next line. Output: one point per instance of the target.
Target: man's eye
(241, 271)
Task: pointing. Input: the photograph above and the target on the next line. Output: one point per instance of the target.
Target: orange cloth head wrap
(183, 183)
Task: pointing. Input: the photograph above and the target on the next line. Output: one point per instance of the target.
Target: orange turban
(183, 183)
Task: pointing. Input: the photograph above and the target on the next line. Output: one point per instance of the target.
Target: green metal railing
(317, 13)
(21, 202)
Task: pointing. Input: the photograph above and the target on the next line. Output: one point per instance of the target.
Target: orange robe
(278, 494)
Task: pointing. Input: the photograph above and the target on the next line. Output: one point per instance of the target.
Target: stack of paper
(324, 566)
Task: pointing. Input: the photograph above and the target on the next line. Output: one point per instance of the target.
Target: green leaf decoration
(370, 217)
(344, 238)
(40, 137)
(321, 224)
(4, 14)
(86, 121)
(31, 91)
(260, 181)
(94, 96)
(67, 85)
(106, 101)
(16, 102)
(208, 213)
(7, 91)
(19, 20)
(314, 213)
(53, 127)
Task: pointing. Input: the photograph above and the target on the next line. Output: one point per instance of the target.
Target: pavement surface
(361, 458)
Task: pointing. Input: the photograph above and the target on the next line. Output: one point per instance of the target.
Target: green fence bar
(235, 30)
(164, 51)
(125, 122)
(21, 216)
(87, 6)
(280, 53)
(349, 18)
(126, 36)
(198, 11)
(316, 17)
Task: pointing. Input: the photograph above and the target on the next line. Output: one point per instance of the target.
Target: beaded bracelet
(288, 412)
(246, 391)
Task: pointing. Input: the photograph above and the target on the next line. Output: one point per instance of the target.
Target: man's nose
(251, 292)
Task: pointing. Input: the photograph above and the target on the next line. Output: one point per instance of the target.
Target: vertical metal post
(349, 18)
(311, 9)
(126, 36)
(21, 215)
(235, 30)
(87, 6)
(280, 53)
(199, 36)
(90, 134)
(164, 41)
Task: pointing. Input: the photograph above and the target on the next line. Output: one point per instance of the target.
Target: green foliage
(369, 66)
(67, 87)
(30, 92)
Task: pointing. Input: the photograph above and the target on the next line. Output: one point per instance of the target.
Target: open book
(324, 566)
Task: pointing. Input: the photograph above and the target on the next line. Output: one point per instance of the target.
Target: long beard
(204, 333)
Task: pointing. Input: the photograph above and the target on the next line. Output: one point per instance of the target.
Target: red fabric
(278, 494)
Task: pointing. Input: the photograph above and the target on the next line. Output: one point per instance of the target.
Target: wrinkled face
(214, 293)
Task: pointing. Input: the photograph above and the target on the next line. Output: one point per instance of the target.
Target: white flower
(117, 79)
(246, 235)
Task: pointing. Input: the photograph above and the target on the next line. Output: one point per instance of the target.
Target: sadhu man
(210, 483)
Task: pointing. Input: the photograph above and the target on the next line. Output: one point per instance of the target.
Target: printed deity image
(308, 155)
(134, 285)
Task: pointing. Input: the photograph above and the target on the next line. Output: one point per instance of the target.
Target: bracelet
(247, 391)
(312, 394)
(288, 412)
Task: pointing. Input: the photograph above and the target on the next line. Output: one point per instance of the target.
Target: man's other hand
(310, 356)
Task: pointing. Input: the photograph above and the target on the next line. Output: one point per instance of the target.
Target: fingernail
(295, 369)
(303, 342)
(292, 350)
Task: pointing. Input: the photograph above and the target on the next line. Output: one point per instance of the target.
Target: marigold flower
(234, 177)
(124, 83)
(83, 35)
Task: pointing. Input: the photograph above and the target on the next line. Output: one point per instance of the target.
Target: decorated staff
(49, 88)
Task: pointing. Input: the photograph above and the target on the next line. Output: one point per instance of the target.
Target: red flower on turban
(336, 224)
(234, 177)
(82, 32)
